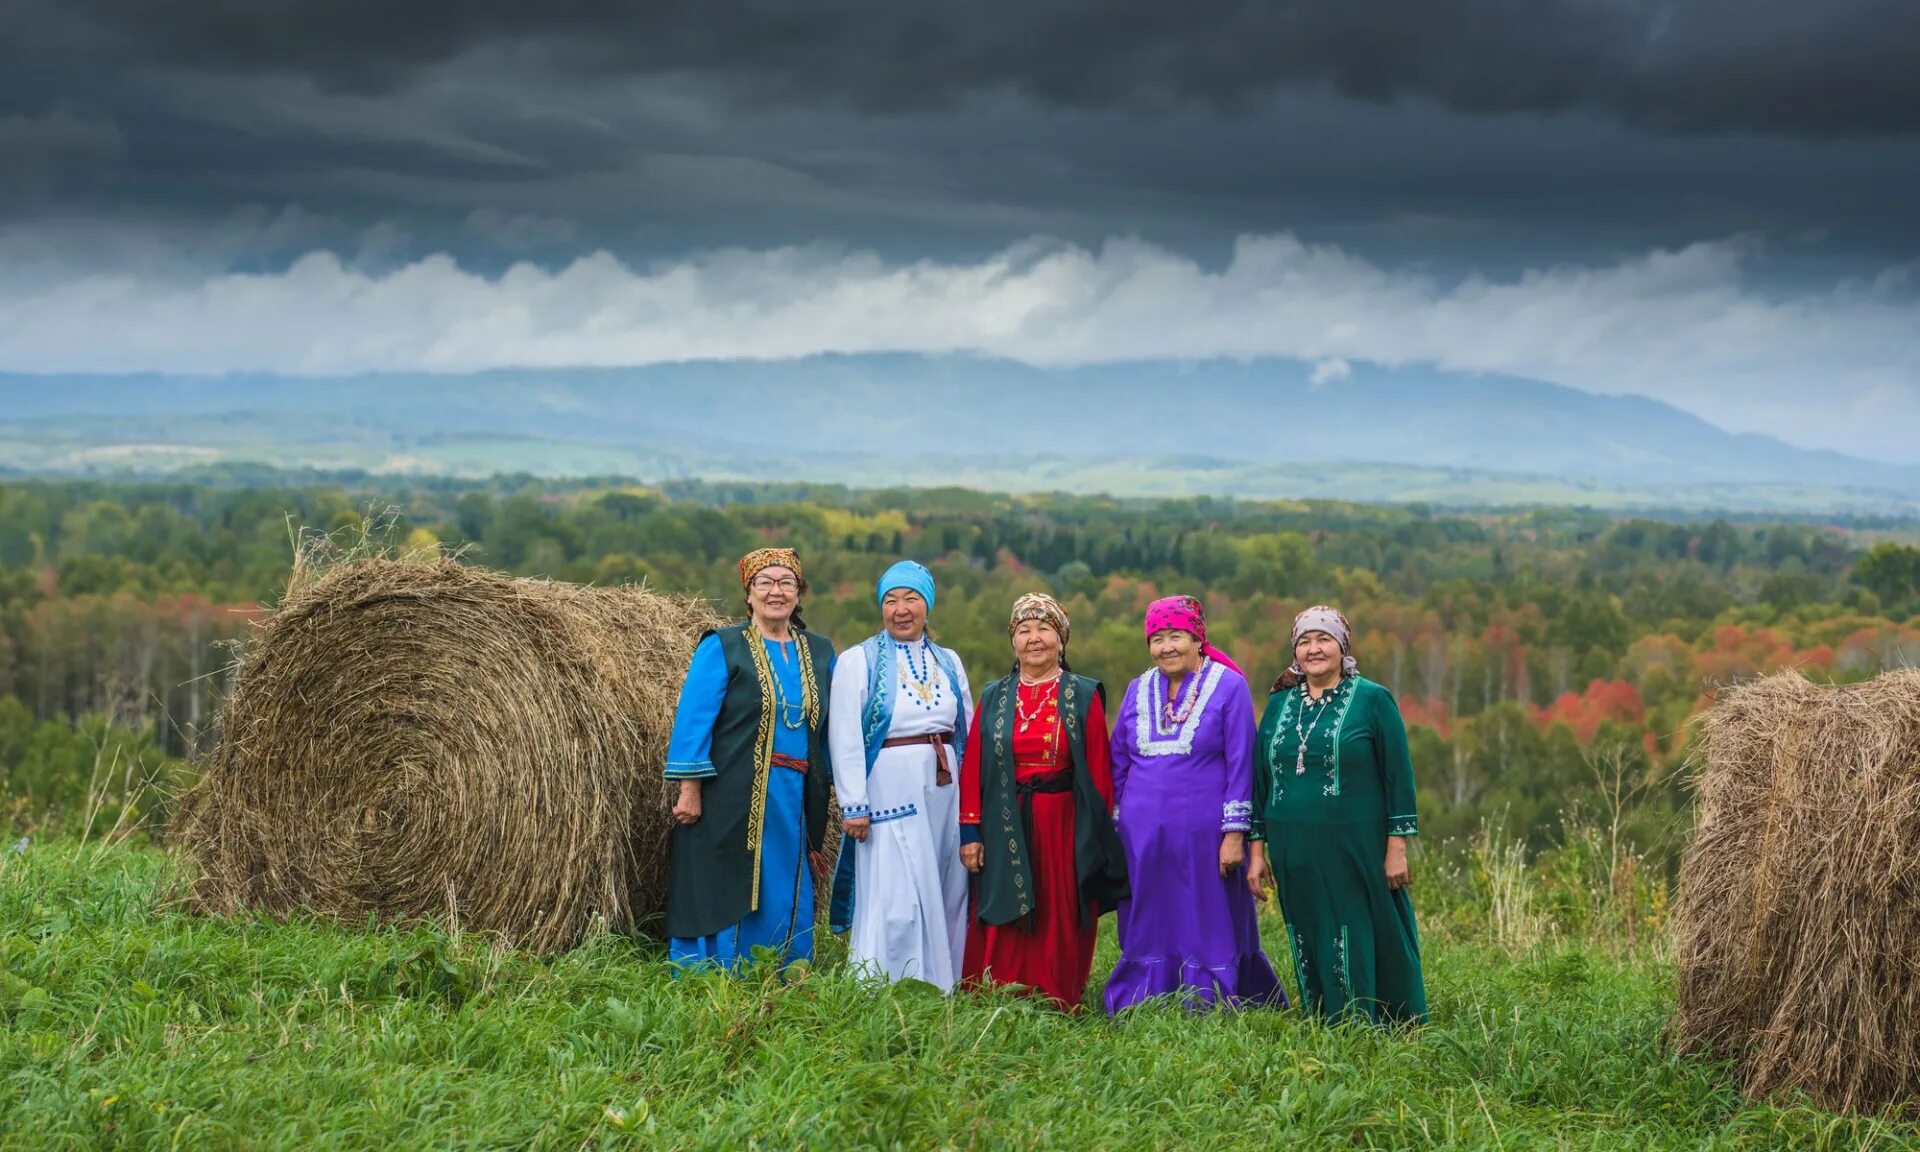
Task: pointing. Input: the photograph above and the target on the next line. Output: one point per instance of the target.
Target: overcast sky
(1710, 202)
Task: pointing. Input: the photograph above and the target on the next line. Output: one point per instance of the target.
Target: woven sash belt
(1061, 781)
(939, 740)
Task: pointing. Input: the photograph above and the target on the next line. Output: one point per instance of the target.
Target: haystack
(409, 740)
(1798, 917)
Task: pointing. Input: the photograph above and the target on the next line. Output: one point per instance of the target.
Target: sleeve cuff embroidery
(690, 769)
(855, 812)
(1236, 816)
(1403, 826)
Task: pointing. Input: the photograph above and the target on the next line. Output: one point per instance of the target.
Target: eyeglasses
(784, 584)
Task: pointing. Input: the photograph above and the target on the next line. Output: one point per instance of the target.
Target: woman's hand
(1259, 876)
(973, 856)
(687, 808)
(1233, 852)
(1397, 875)
(856, 828)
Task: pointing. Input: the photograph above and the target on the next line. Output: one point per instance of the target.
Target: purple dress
(1177, 789)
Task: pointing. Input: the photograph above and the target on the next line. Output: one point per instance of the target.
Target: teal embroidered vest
(1006, 877)
(714, 866)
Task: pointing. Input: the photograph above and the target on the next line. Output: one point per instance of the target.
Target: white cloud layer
(1330, 372)
(1836, 368)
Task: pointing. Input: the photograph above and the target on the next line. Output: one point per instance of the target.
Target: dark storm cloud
(1790, 67)
(497, 130)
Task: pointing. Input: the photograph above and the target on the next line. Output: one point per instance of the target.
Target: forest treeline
(1534, 652)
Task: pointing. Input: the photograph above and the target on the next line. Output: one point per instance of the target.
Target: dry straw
(1798, 918)
(424, 739)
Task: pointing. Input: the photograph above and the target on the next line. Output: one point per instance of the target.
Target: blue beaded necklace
(920, 674)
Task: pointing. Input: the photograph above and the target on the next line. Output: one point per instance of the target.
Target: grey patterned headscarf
(1321, 618)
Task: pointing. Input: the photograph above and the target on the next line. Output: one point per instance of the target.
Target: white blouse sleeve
(846, 743)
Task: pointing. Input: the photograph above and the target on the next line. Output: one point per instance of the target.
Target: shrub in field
(89, 777)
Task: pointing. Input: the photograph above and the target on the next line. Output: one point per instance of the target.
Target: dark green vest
(1006, 878)
(710, 869)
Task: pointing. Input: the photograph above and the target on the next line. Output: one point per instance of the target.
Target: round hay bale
(1798, 914)
(411, 740)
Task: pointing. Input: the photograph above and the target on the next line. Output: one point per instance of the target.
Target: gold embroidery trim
(763, 739)
(1004, 744)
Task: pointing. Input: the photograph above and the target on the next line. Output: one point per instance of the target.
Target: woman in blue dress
(749, 750)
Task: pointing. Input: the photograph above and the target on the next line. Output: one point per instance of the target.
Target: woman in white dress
(897, 723)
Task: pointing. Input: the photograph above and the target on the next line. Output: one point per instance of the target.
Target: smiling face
(904, 613)
(1175, 651)
(1318, 655)
(773, 594)
(1037, 646)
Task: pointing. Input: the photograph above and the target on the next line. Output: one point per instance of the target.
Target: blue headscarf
(909, 575)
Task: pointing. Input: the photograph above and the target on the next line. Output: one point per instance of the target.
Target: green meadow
(132, 1023)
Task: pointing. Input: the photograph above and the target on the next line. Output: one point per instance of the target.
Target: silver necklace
(1306, 733)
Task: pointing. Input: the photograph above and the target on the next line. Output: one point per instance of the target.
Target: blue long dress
(784, 920)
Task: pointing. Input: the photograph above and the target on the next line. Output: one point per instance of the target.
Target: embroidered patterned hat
(760, 559)
(1039, 606)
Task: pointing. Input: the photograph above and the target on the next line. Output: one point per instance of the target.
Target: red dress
(1050, 952)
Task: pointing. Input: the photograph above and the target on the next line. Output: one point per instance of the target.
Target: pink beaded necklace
(1166, 716)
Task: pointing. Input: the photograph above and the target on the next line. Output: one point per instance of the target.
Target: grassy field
(130, 1024)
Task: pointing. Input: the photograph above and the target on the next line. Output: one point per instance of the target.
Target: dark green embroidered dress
(1333, 780)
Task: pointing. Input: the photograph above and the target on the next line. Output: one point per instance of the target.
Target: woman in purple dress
(1182, 753)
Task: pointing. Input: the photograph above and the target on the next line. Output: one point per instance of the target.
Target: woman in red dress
(1036, 823)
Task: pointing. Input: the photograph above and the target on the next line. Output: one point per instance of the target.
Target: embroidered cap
(761, 559)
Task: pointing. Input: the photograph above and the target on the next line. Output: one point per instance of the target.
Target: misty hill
(1253, 428)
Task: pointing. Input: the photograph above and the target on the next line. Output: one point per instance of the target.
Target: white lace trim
(1181, 742)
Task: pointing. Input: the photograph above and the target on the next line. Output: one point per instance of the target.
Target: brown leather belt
(942, 776)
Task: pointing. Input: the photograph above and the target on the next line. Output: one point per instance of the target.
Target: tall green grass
(129, 1023)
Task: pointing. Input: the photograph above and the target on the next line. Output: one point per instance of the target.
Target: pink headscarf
(1185, 614)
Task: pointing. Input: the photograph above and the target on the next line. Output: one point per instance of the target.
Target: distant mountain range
(1258, 428)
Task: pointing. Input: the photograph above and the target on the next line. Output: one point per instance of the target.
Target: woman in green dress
(1333, 809)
